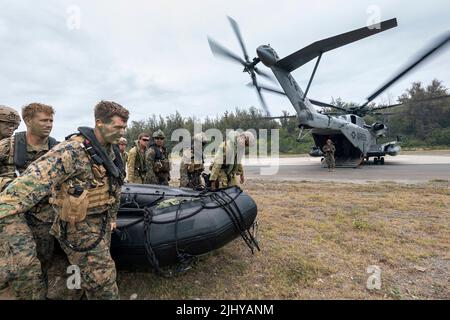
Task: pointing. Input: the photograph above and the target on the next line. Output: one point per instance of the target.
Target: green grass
(317, 240)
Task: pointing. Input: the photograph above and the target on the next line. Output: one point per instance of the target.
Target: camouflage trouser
(227, 181)
(161, 179)
(184, 178)
(45, 243)
(54, 268)
(19, 265)
(329, 160)
(137, 179)
(97, 268)
(193, 180)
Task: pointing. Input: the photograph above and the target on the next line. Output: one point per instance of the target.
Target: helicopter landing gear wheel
(382, 160)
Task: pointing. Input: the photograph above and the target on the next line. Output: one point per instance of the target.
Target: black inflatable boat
(159, 226)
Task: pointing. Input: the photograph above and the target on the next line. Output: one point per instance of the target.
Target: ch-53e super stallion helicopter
(354, 139)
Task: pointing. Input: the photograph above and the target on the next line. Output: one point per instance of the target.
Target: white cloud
(153, 57)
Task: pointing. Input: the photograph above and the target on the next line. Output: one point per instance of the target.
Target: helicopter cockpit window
(353, 119)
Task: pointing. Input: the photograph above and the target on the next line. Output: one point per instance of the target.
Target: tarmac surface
(405, 168)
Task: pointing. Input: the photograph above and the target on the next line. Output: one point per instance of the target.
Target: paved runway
(409, 168)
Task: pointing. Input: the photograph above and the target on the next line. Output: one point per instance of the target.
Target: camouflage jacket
(329, 150)
(136, 168)
(124, 156)
(8, 170)
(66, 163)
(226, 160)
(7, 166)
(157, 163)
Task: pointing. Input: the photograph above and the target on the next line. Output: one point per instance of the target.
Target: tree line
(419, 124)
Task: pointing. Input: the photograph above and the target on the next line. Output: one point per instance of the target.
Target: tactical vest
(19, 158)
(162, 158)
(329, 149)
(91, 192)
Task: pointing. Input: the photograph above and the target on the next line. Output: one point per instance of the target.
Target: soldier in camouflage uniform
(192, 164)
(9, 121)
(227, 165)
(329, 149)
(157, 161)
(123, 154)
(83, 177)
(136, 168)
(16, 154)
(19, 265)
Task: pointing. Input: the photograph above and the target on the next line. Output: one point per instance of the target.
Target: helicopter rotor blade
(386, 113)
(268, 89)
(428, 52)
(265, 75)
(260, 96)
(223, 52)
(314, 102)
(263, 102)
(237, 31)
(332, 113)
(278, 117)
(326, 105)
(414, 101)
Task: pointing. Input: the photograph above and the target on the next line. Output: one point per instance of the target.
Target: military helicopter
(355, 140)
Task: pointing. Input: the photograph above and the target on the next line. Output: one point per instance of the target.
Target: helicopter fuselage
(354, 139)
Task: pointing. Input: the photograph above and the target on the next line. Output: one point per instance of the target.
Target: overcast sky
(153, 56)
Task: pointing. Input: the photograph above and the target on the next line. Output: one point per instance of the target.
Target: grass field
(317, 241)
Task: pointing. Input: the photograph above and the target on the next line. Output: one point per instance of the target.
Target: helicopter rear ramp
(344, 162)
(346, 155)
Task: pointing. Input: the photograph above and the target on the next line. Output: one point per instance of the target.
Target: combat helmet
(8, 114)
(201, 137)
(158, 134)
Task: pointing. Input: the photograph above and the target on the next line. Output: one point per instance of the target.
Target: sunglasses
(145, 139)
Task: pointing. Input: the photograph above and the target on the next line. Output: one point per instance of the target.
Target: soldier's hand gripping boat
(159, 226)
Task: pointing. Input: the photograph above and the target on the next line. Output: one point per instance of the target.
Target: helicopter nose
(267, 55)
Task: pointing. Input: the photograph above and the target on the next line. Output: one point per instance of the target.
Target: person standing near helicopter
(157, 161)
(329, 149)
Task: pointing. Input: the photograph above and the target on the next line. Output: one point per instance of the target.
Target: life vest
(74, 199)
(19, 157)
(163, 163)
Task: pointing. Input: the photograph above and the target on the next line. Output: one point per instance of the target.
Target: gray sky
(153, 56)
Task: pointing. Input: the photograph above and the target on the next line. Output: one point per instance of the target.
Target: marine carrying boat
(159, 226)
